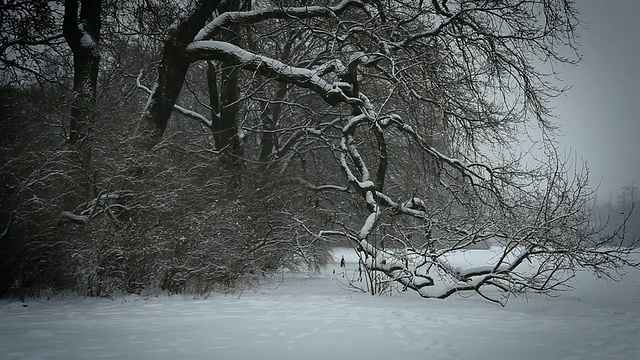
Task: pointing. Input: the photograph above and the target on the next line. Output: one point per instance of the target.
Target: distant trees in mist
(620, 207)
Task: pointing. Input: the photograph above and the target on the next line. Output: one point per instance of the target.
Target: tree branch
(332, 93)
(251, 17)
(179, 109)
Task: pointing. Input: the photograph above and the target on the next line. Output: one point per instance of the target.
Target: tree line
(200, 145)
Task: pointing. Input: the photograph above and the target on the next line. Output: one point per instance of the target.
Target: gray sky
(600, 115)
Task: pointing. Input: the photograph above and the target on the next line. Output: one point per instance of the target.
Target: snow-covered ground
(298, 316)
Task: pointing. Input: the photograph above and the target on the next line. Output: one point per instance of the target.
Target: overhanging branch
(331, 92)
(256, 16)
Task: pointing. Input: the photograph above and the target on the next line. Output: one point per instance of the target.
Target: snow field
(302, 316)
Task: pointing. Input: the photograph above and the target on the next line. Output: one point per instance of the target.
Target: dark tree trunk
(223, 98)
(225, 121)
(81, 28)
(173, 68)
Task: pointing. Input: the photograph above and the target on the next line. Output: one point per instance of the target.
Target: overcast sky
(600, 115)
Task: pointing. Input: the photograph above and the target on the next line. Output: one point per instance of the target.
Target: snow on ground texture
(296, 316)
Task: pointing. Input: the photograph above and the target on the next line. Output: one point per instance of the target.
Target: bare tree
(394, 126)
(396, 74)
(172, 71)
(81, 28)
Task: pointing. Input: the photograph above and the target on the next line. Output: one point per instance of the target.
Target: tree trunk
(224, 112)
(225, 96)
(173, 68)
(81, 28)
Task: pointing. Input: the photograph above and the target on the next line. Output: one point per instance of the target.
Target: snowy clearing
(299, 316)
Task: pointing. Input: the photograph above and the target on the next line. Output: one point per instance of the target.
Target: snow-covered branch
(227, 19)
(332, 93)
(73, 217)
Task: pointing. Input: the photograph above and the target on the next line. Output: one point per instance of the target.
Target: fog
(599, 114)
